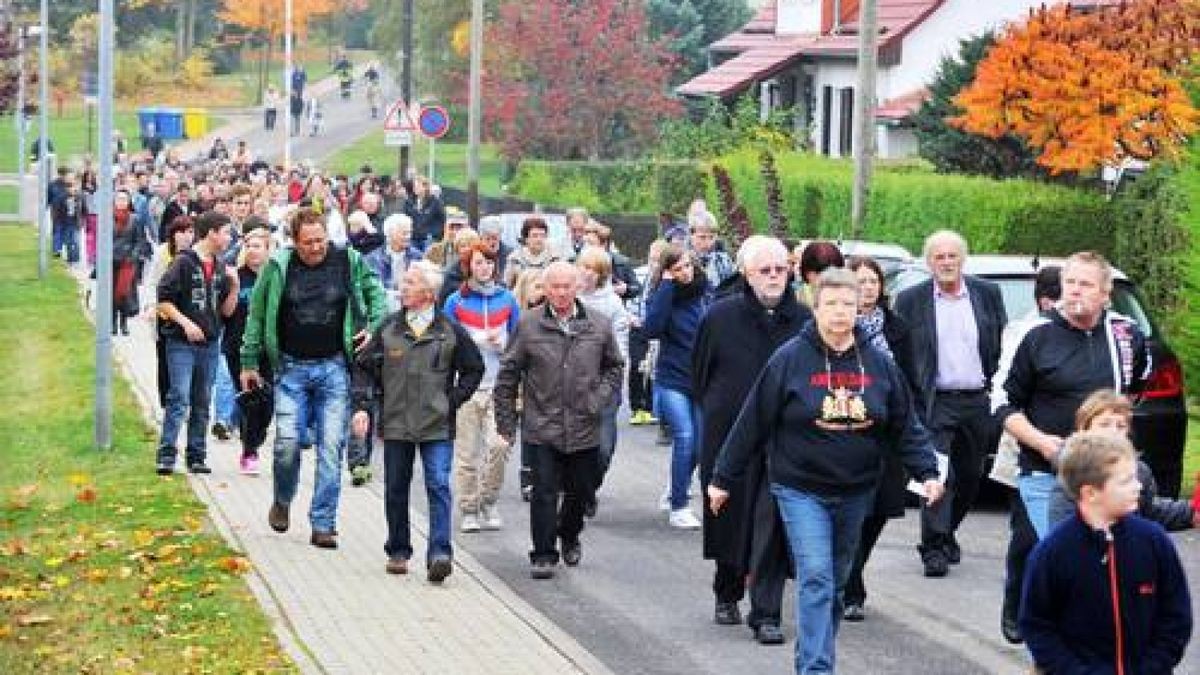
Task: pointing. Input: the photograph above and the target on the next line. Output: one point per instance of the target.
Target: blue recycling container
(147, 122)
(170, 123)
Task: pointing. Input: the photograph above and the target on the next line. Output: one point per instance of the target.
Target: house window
(846, 123)
(826, 118)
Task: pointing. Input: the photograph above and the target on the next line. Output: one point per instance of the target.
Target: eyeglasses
(772, 269)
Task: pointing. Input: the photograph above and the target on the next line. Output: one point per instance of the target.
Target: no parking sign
(433, 121)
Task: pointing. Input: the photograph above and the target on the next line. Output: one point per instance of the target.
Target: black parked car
(1160, 414)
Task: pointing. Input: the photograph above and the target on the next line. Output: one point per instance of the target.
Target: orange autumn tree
(1088, 89)
(267, 16)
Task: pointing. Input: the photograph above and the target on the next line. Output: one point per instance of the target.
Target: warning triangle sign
(397, 118)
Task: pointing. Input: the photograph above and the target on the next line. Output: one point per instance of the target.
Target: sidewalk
(339, 611)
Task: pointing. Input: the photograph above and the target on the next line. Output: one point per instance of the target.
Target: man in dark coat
(735, 339)
(953, 353)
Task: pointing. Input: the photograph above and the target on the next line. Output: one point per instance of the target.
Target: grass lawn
(451, 158)
(104, 567)
(8, 199)
(69, 134)
(1191, 454)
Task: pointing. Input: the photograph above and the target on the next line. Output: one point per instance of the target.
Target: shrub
(614, 187)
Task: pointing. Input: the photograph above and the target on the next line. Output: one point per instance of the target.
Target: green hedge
(611, 187)
(1183, 324)
(907, 204)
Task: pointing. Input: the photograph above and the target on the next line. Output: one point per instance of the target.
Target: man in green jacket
(313, 307)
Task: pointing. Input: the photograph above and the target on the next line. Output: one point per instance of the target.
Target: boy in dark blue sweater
(1104, 591)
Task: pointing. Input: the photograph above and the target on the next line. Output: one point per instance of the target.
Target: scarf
(419, 321)
(871, 324)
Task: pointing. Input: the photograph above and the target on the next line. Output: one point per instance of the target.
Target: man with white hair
(419, 369)
(953, 353)
(735, 339)
(566, 362)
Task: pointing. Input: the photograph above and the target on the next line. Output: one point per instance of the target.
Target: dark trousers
(269, 118)
(436, 457)
(1021, 541)
(639, 382)
(358, 450)
(608, 442)
(962, 428)
(856, 590)
(769, 564)
(164, 376)
(550, 517)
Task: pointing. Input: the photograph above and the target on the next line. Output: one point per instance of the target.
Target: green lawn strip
(9, 199)
(451, 161)
(1191, 454)
(103, 566)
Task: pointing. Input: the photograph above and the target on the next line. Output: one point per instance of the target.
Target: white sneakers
(488, 518)
(469, 523)
(684, 519)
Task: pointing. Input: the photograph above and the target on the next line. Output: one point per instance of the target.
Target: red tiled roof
(902, 106)
(763, 21)
(736, 73)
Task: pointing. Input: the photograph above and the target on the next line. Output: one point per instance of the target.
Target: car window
(1017, 292)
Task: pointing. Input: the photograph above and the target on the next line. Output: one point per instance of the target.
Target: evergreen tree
(952, 150)
(692, 26)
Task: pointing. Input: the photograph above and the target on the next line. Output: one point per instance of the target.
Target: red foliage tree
(574, 80)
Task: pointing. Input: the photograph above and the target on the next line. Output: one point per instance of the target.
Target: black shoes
(589, 509)
(542, 569)
(323, 539)
(1009, 628)
(952, 550)
(221, 431)
(198, 467)
(853, 612)
(727, 614)
(164, 468)
(935, 561)
(439, 569)
(278, 517)
(572, 553)
(768, 634)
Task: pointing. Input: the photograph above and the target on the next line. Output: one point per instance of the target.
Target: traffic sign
(433, 121)
(398, 118)
(392, 138)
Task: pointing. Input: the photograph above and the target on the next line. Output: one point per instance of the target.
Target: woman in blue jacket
(673, 315)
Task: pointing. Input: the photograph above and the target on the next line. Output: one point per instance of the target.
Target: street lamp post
(104, 234)
(20, 118)
(474, 111)
(43, 138)
(288, 120)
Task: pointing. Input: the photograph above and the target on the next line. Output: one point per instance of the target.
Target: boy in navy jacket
(1104, 591)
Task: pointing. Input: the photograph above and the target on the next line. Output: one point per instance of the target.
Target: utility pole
(44, 139)
(474, 124)
(864, 115)
(104, 234)
(406, 50)
(287, 59)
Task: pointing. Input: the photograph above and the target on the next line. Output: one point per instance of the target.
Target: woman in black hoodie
(826, 410)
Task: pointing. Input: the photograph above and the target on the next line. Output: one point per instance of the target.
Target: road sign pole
(406, 76)
(104, 235)
(20, 117)
(288, 70)
(432, 151)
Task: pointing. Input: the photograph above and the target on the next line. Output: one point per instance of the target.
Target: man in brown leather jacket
(567, 364)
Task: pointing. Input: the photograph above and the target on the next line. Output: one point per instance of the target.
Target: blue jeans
(676, 409)
(398, 458)
(224, 396)
(190, 368)
(608, 440)
(1035, 489)
(316, 391)
(66, 235)
(822, 533)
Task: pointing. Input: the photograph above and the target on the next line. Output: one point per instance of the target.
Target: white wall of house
(797, 16)
(895, 142)
(939, 35)
(838, 75)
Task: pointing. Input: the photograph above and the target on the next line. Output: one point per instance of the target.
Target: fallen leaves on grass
(86, 495)
(235, 564)
(21, 496)
(26, 620)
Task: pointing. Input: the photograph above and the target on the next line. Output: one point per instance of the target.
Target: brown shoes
(278, 517)
(322, 539)
(397, 566)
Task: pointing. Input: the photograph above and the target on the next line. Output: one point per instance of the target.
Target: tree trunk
(180, 30)
(191, 27)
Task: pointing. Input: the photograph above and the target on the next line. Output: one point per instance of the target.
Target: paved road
(641, 603)
(346, 120)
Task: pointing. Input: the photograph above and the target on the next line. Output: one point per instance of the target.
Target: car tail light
(1166, 381)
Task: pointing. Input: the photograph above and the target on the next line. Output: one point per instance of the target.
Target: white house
(803, 54)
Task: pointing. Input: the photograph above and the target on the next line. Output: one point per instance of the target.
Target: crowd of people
(348, 310)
